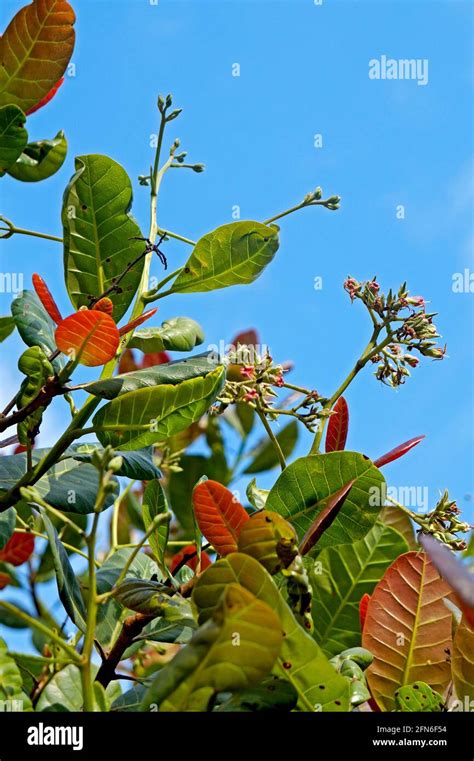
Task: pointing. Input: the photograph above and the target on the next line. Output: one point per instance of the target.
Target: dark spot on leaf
(337, 702)
(268, 519)
(287, 665)
(84, 207)
(187, 270)
(416, 686)
(322, 687)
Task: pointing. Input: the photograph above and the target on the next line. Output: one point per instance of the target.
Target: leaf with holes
(304, 488)
(97, 231)
(301, 661)
(40, 160)
(18, 549)
(233, 254)
(211, 663)
(176, 334)
(154, 504)
(68, 587)
(13, 135)
(463, 660)
(264, 456)
(408, 629)
(418, 698)
(35, 50)
(148, 415)
(219, 515)
(170, 372)
(349, 572)
(338, 426)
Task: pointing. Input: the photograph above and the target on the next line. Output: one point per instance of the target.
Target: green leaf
(8, 618)
(68, 587)
(142, 567)
(138, 465)
(170, 372)
(46, 567)
(233, 254)
(65, 689)
(273, 694)
(7, 525)
(152, 598)
(11, 683)
(181, 486)
(301, 661)
(418, 697)
(69, 485)
(13, 135)
(143, 417)
(304, 487)
(129, 700)
(212, 663)
(97, 232)
(35, 365)
(7, 326)
(395, 518)
(341, 576)
(30, 667)
(264, 455)
(154, 503)
(35, 50)
(176, 334)
(257, 497)
(40, 159)
(35, 326)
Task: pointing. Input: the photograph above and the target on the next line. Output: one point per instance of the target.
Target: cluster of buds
(444, 524)
(315, 198)
(253, 379)
(407, 324)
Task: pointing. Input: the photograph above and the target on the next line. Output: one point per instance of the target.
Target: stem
(413, 516)
(86, 667)
(169, 234)
(115, 516)
(22, 231)
(272, 437)
(36, 624)
(44, 536)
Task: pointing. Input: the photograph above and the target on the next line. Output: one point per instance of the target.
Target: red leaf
(324, 518)
(4, 580)
(18, 549)
(338, 426)
(399, 451)
(44, 295)
(93, 335)
(49, 96)
(155, 358)
(246, 338)
(138, 321)
(453, 572)
(127, 362)
(191, 552)
(219, 515)
(363, 605)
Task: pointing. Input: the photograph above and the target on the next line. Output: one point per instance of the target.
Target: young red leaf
(93, 335)
(138, 321)
(155, 358)
(4, 580)
(46, 298)
(363, 605)
(219, 515)
(246, 338)
(338, 426)
(190, 552)
(324, 518)
(49, 96)
(18, 549)
(399, 451)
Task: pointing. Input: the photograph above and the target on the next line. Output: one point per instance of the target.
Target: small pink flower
(411, 360)
(373, 286)
(251, 395)
(248, 372)
(279, 381)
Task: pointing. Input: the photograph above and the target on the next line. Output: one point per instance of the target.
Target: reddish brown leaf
(44, 295)
(219, 515)
(453, 572)
(399, 451)
(127, 362)
(49, 96)
(89, 334)
(155, 358)
(246, 338)
(18, 549)
(324, 518)
(363, 605)
(338, 426)
(138, 321)
(408, 629)
(4, 580)
(190, 552)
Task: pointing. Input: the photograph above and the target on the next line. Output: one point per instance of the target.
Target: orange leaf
(155, 358)
(46, 98)
(219, 515)
(35, 51)
(44, 295)
(338, 426)
(138, 321)
(18, 549)
(89, 334)
(363, 605)
(463, 660)
(408, 629)
(190, 552)
(4, 580)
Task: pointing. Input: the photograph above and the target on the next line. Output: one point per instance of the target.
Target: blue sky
(303, 71)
